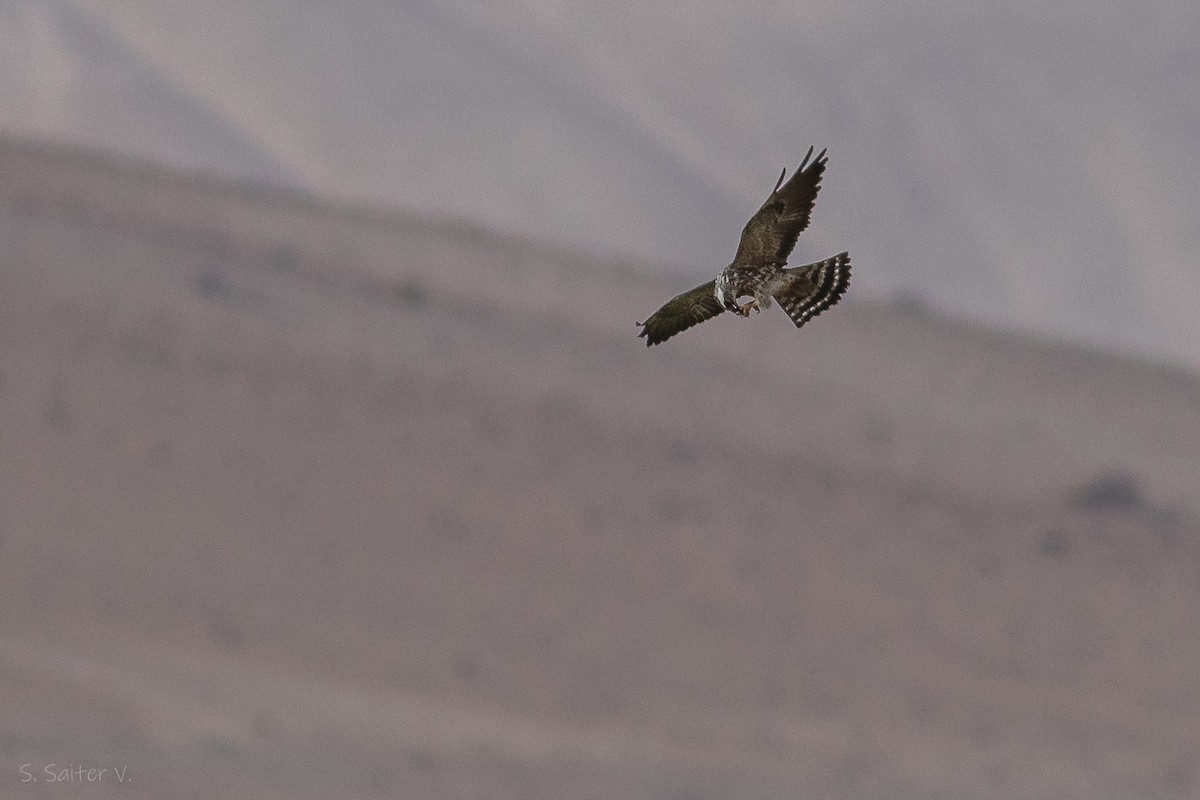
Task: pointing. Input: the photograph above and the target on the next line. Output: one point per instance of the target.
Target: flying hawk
(758, 269)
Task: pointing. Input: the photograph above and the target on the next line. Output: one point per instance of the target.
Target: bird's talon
(744, 310)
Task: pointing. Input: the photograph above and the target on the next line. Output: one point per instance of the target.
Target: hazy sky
(1030, 165)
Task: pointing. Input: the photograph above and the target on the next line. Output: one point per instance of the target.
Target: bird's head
(725, 294)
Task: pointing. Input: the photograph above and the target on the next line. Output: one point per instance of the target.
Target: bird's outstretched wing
(770, 235)
(682, 312)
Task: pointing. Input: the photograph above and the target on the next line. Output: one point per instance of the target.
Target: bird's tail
(809, 290)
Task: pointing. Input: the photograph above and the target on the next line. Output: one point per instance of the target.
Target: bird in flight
(758, 269)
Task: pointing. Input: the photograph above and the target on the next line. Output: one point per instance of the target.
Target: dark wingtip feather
(819, 161)
(807, 156)
(779, 182)
(645, 333)
(650, 340)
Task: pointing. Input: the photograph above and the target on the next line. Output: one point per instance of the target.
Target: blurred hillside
(1030, 165)
(307, 499)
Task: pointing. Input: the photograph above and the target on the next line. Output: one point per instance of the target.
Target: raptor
(759, 269)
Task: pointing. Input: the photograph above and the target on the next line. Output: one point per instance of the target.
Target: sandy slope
(308, 500)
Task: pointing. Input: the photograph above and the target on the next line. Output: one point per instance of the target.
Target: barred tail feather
(814, 288)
